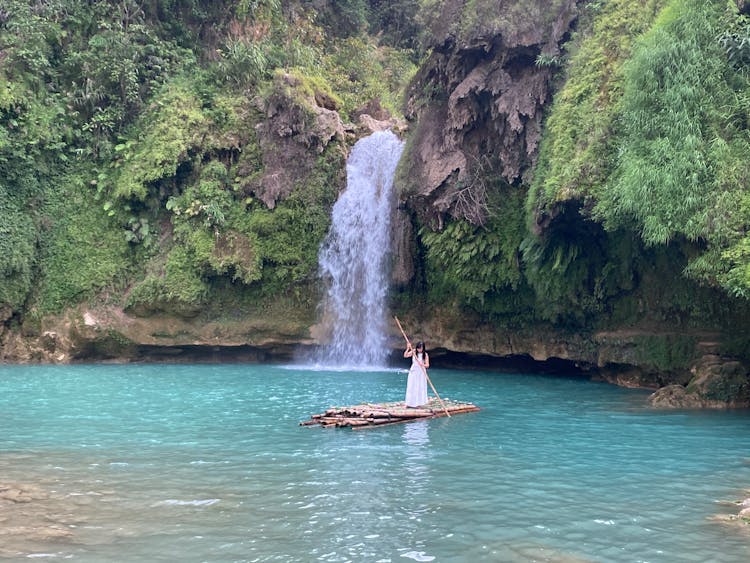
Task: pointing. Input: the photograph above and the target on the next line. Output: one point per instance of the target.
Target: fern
(472, 262)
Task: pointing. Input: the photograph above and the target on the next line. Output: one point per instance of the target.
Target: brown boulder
(717, 383)
(675, 397)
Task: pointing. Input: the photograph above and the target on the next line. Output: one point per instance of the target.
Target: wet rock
(6, 312)
(675, 397)
(33, 516)
(374, 109)
(49, 340)
(369, 125)
(721, 380)
(37, 533)
(717, 383)
(628, 376)
(21, 493)
(741, 517)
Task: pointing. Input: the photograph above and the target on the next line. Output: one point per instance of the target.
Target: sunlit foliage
(682, 168)
(127, 130)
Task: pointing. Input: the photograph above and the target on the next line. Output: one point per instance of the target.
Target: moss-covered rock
(716, 383)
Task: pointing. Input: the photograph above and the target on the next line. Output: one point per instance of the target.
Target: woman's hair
(421, 345)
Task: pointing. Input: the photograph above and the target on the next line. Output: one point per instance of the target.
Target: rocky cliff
(477, 102)
(482, 270)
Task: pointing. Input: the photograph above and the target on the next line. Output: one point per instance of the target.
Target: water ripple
(208, 463)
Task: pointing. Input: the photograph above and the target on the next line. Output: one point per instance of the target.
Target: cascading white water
(354, 257)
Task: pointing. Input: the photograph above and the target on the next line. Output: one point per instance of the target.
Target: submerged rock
(742, 518)
(21, 493)
(29, 515)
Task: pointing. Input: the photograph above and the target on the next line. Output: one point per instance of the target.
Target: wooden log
(369, 415)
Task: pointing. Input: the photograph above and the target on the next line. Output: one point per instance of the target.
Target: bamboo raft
(369, 415)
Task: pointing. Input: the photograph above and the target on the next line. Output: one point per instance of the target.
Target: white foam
(353, 258)
(418, 556)
(196, 502)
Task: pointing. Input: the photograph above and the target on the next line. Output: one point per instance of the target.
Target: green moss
(18, 240)
(469, 262)
(84, 250)
(736, 344)
(167, 135)
(666, 352)
(179, 288)
(288, 237)
(481, 18)
(359, 70)
(726, 383)
(304, 88)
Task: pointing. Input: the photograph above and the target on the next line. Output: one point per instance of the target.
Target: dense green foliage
(682, 167)
(640, 187)
(135, 138)
(82, 250)
(18, 239)
(575, 157)
(467, 262)
(128, 151)
(674, 128)
(649, 135)
(660, 142)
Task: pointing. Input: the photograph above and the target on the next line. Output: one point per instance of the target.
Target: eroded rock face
(478, 99)
(299, 124)
(108, 333)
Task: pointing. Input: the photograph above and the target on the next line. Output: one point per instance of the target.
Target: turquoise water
(208, 463)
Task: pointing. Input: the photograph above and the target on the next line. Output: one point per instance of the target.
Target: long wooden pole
(424, 371)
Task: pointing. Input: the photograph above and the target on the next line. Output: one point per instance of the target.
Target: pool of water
(209, 463)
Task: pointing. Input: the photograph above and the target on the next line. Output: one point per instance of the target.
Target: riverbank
(688, 365)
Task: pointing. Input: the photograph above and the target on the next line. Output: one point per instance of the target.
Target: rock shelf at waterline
(369, 415)
(742, 517)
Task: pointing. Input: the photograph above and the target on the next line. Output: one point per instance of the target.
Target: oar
(424, 371)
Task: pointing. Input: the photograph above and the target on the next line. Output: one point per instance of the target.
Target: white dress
(416, 385)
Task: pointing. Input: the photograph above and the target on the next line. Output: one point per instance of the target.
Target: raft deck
(369, 415)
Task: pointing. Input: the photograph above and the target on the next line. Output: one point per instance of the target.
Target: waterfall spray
(354, 257)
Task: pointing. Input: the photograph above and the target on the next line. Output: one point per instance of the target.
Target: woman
(416, 385)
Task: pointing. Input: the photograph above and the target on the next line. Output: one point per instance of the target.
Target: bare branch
(472, 199)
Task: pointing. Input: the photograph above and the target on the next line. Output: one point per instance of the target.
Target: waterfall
(354, 257)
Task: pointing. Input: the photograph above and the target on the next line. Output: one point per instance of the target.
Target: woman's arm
(426, 360)
(408, 352)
